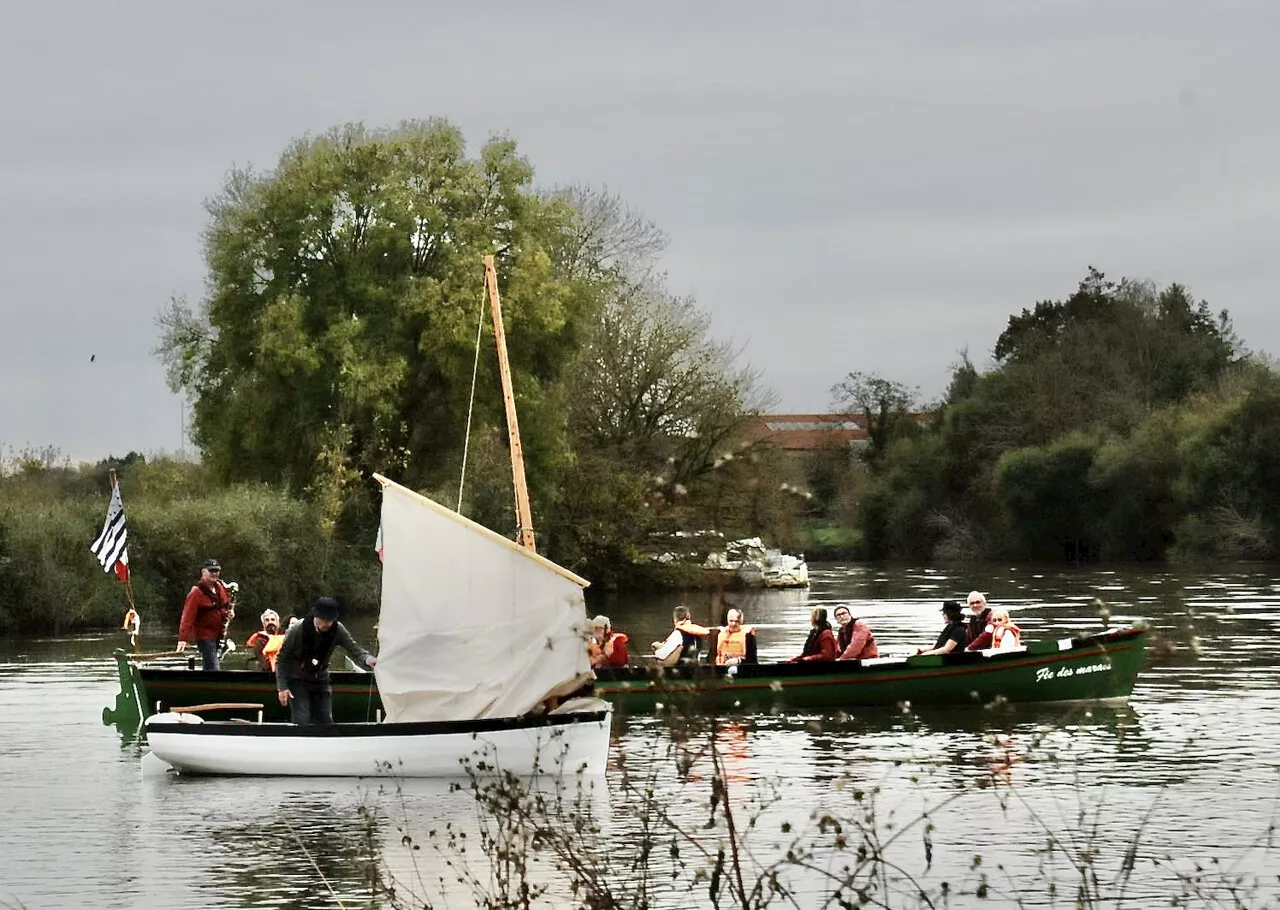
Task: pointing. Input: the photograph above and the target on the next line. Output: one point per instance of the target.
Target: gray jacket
(305, 653)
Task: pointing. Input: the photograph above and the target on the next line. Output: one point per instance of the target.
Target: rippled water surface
(1185, 776)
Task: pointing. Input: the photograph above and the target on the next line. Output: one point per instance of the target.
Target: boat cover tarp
(472, 624)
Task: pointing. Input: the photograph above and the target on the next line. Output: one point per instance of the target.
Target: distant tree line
(1126, 422)
(338, 337)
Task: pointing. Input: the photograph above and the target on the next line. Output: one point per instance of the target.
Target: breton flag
(111, 547)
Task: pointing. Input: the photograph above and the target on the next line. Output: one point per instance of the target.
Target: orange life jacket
(998, 633)
(730, 644)
(270, 645)
(271, 649)
(689, 627)
(617, 655)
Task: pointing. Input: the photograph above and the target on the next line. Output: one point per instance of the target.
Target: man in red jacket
(205, 612)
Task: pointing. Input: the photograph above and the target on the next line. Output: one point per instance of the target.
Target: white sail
(472, 625)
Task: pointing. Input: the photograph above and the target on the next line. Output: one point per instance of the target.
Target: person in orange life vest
(953, 637)
(266, 642)
(684, 640)
(735, 643)
(854, 640)
(205, 613)
(981, 615)
(821, 643)
(302, 665)
(606, 647)
(1001, 633)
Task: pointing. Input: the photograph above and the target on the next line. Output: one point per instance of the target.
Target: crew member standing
(205, 613)
(302, 664)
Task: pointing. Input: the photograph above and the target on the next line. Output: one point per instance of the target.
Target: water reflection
(1189, 767)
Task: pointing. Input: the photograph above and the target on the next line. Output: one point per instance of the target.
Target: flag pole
(134, 637)
(128, 578)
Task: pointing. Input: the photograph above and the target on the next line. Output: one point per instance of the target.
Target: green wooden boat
(1093, 668)
(1099, 667)
(150, 688)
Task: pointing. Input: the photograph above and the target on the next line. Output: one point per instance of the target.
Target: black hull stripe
(368, 730)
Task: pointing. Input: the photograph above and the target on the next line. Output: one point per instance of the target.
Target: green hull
(1096, 668)
(148, 689)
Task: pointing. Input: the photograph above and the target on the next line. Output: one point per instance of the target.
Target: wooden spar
(524, 519)
(218, 706)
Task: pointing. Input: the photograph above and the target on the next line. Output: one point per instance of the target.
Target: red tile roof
(806, 432)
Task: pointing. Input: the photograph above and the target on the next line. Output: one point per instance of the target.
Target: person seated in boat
(735, 643)
(821, 643)
(302, 664)
(265, 644)
(981, 615)
(954, 635)
(606, 647)
(854, 640)
(205, 614)
(684, 641)
(1000, 633)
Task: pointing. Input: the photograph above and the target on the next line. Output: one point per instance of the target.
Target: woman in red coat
(821, 643)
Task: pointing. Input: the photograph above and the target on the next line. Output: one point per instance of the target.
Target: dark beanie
(325, 608)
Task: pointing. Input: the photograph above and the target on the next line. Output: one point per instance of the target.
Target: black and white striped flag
(111, 547)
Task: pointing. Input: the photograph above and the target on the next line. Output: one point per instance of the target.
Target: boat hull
(1094, 668)
(355, 695)
(565, 744)
(1097, 668)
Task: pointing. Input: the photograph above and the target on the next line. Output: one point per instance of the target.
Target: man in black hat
(302, 666)
(954, 636)
(205, 613)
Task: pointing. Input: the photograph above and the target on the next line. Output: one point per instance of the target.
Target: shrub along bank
(273, 544)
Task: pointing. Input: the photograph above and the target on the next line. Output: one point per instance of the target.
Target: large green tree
(339, 329)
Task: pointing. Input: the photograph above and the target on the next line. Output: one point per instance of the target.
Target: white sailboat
(476, 633)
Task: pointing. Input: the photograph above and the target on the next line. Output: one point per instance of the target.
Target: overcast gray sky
(847, 186)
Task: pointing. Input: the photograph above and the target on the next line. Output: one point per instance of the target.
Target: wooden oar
(218, 706)
(163, 654)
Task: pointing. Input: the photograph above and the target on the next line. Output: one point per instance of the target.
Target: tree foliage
(654, 388)
(886, 408)
(338, 337)
(1124, 422)
(338, 334)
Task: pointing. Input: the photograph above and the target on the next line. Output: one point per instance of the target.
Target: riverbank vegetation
(705, 827)
(343, 333)
(1125, 422)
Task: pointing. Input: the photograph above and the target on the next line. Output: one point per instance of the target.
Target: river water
(1170, 799)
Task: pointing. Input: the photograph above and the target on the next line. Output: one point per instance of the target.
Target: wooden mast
(524, 519)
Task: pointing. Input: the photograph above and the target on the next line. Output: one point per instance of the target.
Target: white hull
(566, 744)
